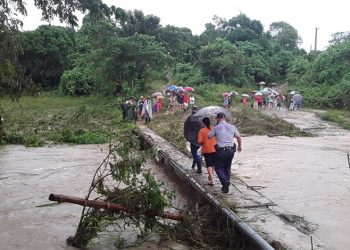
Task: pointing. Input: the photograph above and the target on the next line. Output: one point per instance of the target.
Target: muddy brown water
(29, 175)
(308, 177)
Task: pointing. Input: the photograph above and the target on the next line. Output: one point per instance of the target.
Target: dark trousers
(196, 158)
(223, 161)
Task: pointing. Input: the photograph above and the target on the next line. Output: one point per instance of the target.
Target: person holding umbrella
(225, 134)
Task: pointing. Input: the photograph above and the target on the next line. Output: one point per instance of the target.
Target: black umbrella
(194, 122)
(212, 111)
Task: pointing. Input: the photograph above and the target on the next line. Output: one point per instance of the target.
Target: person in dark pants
(197, 160)
(225, 149)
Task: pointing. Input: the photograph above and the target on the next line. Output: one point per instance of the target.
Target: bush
(74, 83)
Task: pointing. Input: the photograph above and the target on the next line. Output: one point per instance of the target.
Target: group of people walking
(131, 109)
(145, 107)
(218, 149)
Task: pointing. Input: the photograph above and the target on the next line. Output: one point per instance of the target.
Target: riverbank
(49, 118)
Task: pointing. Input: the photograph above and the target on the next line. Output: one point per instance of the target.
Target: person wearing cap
(225, 134)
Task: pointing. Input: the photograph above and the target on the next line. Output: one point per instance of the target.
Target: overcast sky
(304, 15)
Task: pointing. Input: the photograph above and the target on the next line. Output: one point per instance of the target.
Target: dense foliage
(123, 52)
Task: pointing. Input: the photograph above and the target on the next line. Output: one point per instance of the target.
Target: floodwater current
(308, 177)
(29, 175)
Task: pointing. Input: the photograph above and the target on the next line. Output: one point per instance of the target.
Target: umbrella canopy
(262, 83)
(245, 95)
(212, 111)
(179, 88)
(297, 98)
(226, 94)
(258, 93)
(273, 84)
(155, 94)
(267, 91)
(293, 92)
(160, 97)
(194, 122)
(189, 89)
(234, 93)
(172, 88)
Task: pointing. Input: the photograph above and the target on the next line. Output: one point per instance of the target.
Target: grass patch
(253, 122)
(60, 119)
(342, 118)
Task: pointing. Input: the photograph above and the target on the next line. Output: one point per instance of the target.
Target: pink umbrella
(226, 94)
(188, 89)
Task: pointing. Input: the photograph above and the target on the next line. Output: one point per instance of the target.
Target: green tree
(298, 70)
(285, 35)
(132, 22)
(223, 62)
(241, 28)
(339, 37)
(46, 51)
(188, 74)
(136, 59)
(332, 65)
(90, 61)
(179, 42)
(12, 79)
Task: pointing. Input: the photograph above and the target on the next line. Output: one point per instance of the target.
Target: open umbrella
(189, 89)
(267, 91)
(155, 94)
(262, 83)
(234, 93)
(172, 88)
(160, 97)
(180, 89)
(258, 93)
(194, 122)
(273, 84)
(226, 94)
(293, 92)
(245, 95)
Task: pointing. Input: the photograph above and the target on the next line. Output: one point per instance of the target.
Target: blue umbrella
(172, 88)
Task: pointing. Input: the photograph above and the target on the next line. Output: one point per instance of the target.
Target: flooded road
(29, 175)
(309, 177)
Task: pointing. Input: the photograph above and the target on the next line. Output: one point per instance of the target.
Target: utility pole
(316, 39)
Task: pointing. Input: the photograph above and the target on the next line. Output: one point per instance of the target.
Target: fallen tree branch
(111, 206)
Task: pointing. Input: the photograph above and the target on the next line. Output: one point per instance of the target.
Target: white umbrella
(262, 83)
(245, 95)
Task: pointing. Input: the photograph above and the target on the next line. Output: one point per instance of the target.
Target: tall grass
(61, 119)
(342, 118)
